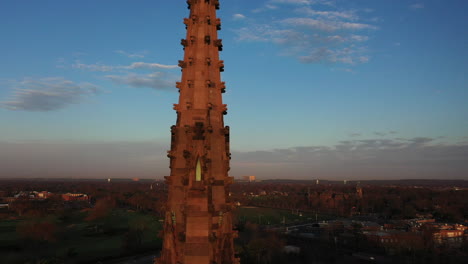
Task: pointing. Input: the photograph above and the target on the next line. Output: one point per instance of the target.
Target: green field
(119, 234)
(271, 216)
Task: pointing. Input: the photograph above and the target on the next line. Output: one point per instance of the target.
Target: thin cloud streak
(350, 15)
(238, 17)
(326, 25)
(304, 2)
(48, 94)
(149, 66)
(134, 66)
(130, 55)
(156, 80)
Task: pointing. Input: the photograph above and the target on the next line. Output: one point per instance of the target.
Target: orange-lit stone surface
(198, 225)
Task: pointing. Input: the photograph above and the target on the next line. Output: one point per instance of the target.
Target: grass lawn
(80, 241)
(272, 216)
(8, 231)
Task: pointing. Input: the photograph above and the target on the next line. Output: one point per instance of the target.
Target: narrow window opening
(198, 171)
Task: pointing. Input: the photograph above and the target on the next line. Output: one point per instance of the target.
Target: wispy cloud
(149, 66)
(350, 14)
(322, 25)
(93, 67)
(380, 134)
(317, 32)
(266, 7)
(304, 2)
(387, 133)
(48, 94)
(134, 66)
(128, 74)
(131, 55)
(344, 55)
(156, 80)
(238, 16)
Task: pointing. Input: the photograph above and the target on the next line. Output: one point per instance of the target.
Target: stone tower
(198, 225)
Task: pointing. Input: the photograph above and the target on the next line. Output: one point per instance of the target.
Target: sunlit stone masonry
(198, 224)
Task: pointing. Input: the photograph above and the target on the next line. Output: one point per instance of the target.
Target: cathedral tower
(198, 225)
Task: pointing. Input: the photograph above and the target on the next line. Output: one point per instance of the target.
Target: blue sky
(315, 88)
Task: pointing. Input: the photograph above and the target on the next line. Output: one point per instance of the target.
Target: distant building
(359, 190)
(75, 197)
(43, 194)
(24, 194)
(451, 235)
(248, 178)
(380, 237)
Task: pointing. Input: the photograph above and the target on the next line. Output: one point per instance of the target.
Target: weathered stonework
(198, 225)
